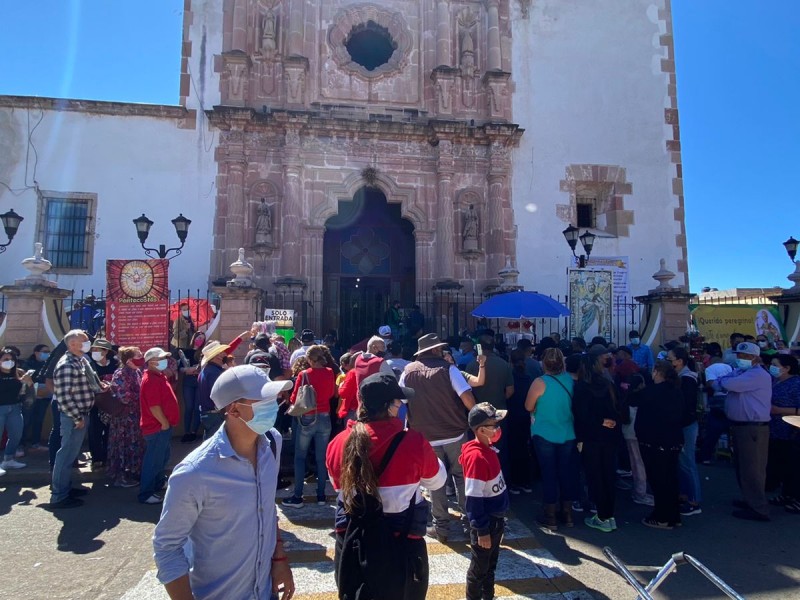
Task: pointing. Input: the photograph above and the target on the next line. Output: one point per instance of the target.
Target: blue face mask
(775, 371)
(44, 356)
(265, 413)
(162, 364)
(635, 341)
(744, 363)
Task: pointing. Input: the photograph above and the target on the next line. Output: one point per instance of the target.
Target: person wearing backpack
(376, 468)
(487, 499)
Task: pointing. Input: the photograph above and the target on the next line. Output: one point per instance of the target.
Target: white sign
(284, 318)
(618, 265)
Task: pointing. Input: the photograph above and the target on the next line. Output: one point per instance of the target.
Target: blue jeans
(307, 428)
(11, 419)
(54, 440)
(559, 464)
(687, 465)
(34, 418)
(191, 412)
(156, 457)
(71, 442)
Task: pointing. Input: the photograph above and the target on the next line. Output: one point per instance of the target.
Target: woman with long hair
(687, 463)
(369, 463)
(659, 431)
(125, 441)
(549, 401)
(314, 425)
(597, 426)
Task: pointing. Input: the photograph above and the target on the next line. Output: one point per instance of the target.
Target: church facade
(391, 148)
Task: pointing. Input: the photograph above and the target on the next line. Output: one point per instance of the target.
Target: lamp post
(143, 225)
(11, 221)
(572, 235)
(791, 250)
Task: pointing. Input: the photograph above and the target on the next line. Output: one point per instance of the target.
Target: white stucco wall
(205, 34)
(134, 164)
(589, 90)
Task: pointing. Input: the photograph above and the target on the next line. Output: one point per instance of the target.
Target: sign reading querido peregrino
(137, 303)
(716, 322)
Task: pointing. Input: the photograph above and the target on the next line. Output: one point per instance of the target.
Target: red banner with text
(137, 303)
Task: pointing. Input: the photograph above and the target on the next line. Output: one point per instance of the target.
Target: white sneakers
(2, 472)
(10, 463)
(154, 500)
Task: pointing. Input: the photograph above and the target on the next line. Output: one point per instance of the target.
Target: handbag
(305, 400)
(105, 400)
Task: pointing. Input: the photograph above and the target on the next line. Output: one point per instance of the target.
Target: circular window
(370, 45)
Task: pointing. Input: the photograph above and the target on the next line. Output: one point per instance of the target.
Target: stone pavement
(525, 569)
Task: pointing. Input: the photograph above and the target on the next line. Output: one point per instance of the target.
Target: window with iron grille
(66, 229)
(585, 212)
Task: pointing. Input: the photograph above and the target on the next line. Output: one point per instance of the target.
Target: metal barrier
(679, 558)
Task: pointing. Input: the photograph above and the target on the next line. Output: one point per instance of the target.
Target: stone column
(28, 322)
(238, 311)
(239, 25)
(667, 311)
(296, 27)
(495, 57)
(495, 242)
(234, 223)
(445, 226)
(443, 34)
(291, 245)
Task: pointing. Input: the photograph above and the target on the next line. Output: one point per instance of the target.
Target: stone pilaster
(238, 311)
(667, 310)
(27, 320)
(234, 222)
(296, 28)
(494, 55)
(444, 34)
(444, 225)
(291, 248)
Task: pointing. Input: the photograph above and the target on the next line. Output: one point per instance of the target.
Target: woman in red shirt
(315, 424)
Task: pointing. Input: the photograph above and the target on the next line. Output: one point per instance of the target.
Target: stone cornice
(98, 107)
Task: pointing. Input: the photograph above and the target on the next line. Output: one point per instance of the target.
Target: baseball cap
(155, 353)
(245, 382)
(748, 348)
(378, 390)
(307, 335)
(384, 331)
(480, 413)
(598, 350)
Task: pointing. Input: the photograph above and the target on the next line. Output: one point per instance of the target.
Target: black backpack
(370, 564)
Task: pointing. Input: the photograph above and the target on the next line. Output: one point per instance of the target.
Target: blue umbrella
(521, 305)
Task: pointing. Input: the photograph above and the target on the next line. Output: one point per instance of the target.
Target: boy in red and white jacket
(486, 499)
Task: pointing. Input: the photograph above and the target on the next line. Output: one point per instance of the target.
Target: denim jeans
(11, 419)
(34, 419)
(71, 442)
(559, 464)
(687, 465)
(156, 456)
(211, 422)
(305, 429)
(54, 440)
(448, 454)
(191, 412)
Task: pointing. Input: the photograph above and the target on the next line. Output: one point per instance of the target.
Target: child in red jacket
(486, 499)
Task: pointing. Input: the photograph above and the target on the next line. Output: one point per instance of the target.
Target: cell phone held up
(479, 349)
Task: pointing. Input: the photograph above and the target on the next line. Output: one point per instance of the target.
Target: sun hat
(103, 343)
(212, 349)
(427, 342)
(246, 382)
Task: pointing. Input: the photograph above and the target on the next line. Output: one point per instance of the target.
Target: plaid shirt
(72, 391)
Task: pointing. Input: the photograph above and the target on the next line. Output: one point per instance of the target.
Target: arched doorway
(368, 262)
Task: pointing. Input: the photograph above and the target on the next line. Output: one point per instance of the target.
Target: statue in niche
(268, 28)
(466, 23)
(263, 224)
(470, 235)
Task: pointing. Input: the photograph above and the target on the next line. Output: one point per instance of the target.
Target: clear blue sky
(738, 88)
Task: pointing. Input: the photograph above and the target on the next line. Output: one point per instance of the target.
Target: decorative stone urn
(243, 271)
(663, 276)
(38, 266)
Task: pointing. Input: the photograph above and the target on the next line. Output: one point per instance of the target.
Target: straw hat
(212, 349)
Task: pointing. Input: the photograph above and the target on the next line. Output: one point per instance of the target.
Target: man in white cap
(211, 366)
(225, 490)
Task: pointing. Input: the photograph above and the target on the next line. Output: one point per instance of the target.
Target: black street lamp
(572, 235)
(791, 247)
(11, 221)
(143, 225)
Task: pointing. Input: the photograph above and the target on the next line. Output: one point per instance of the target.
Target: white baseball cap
(246, 382)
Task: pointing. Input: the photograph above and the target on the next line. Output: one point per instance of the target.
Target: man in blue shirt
(225, 490)
(747, 407)
(642, 355)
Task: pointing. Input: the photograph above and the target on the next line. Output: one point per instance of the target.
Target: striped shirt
(72, 391)
(485, 488)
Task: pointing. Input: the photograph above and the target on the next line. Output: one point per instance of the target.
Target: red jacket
(324, 383)
(156, 391)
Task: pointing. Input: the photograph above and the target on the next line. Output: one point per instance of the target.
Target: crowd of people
(401, 431)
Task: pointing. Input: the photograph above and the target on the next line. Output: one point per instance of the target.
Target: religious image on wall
(137, 301)
(618, 265)
(716, 322)
(590, 302)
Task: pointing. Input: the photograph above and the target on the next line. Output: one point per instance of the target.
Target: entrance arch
(368, 261)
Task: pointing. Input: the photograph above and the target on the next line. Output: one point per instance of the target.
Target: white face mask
(7, 364)
(185, 313)
(96, 356)
(86, 346)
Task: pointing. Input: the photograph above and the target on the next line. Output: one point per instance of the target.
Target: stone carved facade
(300, 120)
